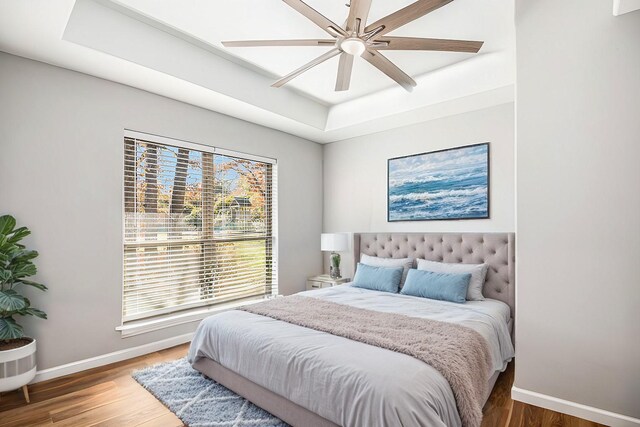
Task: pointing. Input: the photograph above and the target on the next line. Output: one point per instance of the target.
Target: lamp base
(334, 272)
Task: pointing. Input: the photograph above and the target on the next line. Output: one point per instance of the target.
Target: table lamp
(334, 242)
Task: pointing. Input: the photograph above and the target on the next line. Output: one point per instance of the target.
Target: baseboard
(575, 409)
(106, 359)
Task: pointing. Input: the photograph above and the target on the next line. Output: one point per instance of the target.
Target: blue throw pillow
(440, 286)
(377, 278)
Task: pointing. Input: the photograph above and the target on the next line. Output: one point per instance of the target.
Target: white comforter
(348, 382)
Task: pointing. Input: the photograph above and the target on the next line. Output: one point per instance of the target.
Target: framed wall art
(449, 184)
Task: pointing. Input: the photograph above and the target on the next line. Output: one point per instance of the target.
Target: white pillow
(478, 274)
(373, 261)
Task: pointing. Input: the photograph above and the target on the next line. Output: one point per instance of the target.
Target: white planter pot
(17, 367)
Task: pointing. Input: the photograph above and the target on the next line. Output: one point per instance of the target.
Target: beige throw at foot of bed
(460, 354)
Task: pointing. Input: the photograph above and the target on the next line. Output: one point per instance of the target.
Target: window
(198, 226)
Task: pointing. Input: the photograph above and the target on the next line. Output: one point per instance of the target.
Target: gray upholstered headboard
(495, 249)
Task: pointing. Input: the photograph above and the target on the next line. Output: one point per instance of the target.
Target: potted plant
(17, 352)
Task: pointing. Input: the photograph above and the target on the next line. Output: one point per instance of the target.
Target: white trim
(174, 142)
(142, 326)
(247, 156)
(620, 7)
(590, 413)
(105, 359)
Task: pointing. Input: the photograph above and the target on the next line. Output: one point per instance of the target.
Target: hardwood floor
(108, 396)
(501, 411)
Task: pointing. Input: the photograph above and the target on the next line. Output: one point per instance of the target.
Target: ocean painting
(441, 185)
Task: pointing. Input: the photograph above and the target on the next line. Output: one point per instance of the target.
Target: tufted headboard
(495, 249)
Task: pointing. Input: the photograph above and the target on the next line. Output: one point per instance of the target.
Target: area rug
(199, 401)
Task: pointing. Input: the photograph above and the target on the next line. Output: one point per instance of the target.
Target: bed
(307, 377)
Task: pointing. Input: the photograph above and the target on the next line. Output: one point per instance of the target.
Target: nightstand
(324, 281)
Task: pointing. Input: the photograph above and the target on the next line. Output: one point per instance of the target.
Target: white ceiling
(214, 21)
(172, 47)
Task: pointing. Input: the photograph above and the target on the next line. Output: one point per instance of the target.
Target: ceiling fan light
(353, 46)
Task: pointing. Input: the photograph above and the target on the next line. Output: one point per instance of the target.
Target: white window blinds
(198, 226)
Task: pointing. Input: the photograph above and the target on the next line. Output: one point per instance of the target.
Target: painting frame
(462, 147)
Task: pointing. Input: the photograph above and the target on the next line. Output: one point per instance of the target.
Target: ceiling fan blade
(415, 43)
(307, 66)
(261, 43)
(316, 17)
(344, 72)
(389, 68)
(406, 15)
(358, 13)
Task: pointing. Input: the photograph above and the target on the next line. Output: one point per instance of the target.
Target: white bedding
(348, 382)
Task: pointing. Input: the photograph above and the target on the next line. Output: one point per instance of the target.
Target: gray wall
(355, 174)
(578, 204)
(61, 169)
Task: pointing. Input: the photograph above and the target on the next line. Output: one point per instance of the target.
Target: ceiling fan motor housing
(353, 46)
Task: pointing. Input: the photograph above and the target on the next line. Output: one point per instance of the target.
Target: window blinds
(198, 226)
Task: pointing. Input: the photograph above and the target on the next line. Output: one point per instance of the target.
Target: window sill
(137, 327)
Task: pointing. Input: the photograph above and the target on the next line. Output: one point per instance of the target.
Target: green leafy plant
(16, 265)
(335, 260)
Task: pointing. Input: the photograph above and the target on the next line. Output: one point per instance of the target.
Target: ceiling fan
(358, 38)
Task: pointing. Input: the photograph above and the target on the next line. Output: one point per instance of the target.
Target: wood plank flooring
(501, 411)
(108, 396)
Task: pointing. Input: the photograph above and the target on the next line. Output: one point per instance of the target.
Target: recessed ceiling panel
(216, 21)
(172, 48)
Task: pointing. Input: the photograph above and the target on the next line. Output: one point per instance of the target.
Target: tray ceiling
(173, 48)
(215, 21)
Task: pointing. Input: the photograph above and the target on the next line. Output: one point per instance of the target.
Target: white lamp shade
(335, 242)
